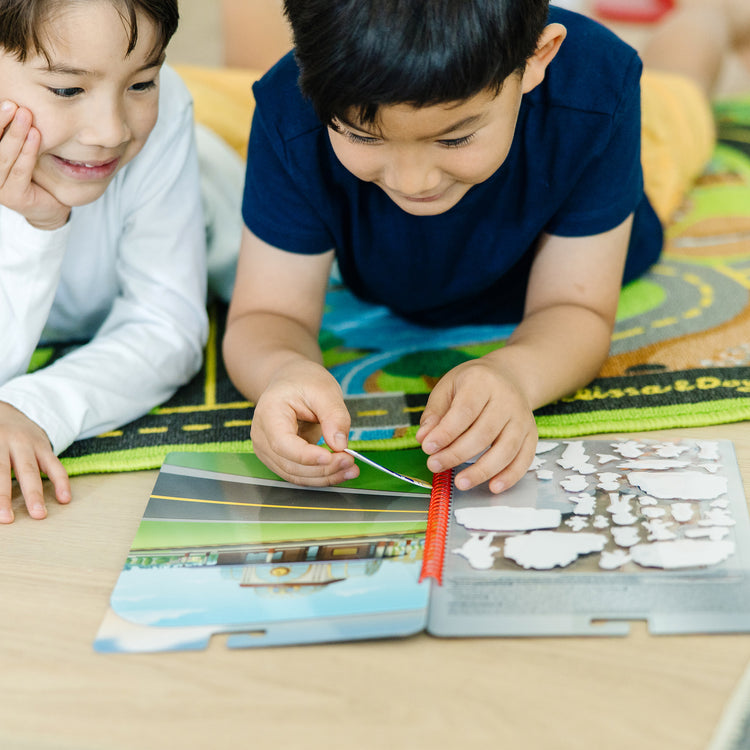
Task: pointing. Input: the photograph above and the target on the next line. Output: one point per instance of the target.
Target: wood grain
(56, 693)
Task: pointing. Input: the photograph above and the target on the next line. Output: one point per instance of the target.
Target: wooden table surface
(640, 691)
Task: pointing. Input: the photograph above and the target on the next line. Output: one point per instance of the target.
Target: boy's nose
(411, 176)
(106, 127)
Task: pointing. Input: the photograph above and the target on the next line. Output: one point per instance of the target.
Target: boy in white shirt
(101, 228)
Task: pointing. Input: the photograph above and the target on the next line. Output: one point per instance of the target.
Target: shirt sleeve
(610, 187)
(30, 263)
(151, 341)
(282, 184)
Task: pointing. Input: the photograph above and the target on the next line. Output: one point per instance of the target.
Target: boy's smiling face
(93, 105)
(427, 158)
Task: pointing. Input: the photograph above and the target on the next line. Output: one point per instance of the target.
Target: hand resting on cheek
(19, 150)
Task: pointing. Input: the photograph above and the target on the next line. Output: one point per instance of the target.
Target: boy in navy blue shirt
(464, 162)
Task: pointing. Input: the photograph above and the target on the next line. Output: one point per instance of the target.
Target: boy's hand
(24, 448)
(19, 151)
(474, 407)
(302, 402)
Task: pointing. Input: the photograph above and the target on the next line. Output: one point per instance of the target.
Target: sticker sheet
(602, 532)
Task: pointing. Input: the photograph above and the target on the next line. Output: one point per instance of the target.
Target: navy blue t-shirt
(573, 169)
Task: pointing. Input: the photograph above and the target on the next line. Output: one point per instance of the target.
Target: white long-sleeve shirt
(126, 275)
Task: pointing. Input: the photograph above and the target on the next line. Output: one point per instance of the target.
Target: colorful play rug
(680, 354)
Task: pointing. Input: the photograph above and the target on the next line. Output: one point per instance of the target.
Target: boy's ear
(548, 46)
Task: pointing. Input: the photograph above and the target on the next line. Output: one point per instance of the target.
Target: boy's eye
(355, 138)
(457, 142)
(66, 93)
(144, 86)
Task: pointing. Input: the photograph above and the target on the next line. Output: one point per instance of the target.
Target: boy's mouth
(423, 199)
(87, 170)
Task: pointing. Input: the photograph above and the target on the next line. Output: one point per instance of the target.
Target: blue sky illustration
(209, 596)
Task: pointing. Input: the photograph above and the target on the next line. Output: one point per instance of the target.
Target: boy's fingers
(327, 407)
(323, 480)
(276, 441)
(19, 175)
(13, 140)
(58, 476)
(437, 405)
(7, 111)
(515, 470)
(502, 464)
(30, 482)
(15, 177)
(461, 417)
(305, 461)
(6, 493)
(470, 443)
(6, 511)
(310, 465)
(277, 429)
(336, 428)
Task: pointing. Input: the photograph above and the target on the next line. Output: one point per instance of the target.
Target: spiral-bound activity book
(597, 533)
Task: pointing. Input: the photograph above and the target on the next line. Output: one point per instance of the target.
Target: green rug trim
(140, 459)
(645, 418)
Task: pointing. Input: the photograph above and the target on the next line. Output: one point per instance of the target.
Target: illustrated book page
(226, 547)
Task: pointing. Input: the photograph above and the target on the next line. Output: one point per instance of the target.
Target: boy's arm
(30, 264)
(33, 236)
(30, 261)
(559, 345)
(151, 341)
(272, 356)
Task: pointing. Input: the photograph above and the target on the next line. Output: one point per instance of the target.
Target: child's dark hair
(23, 23)
(362, 54)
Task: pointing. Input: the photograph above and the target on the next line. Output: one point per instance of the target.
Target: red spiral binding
(438, 518)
